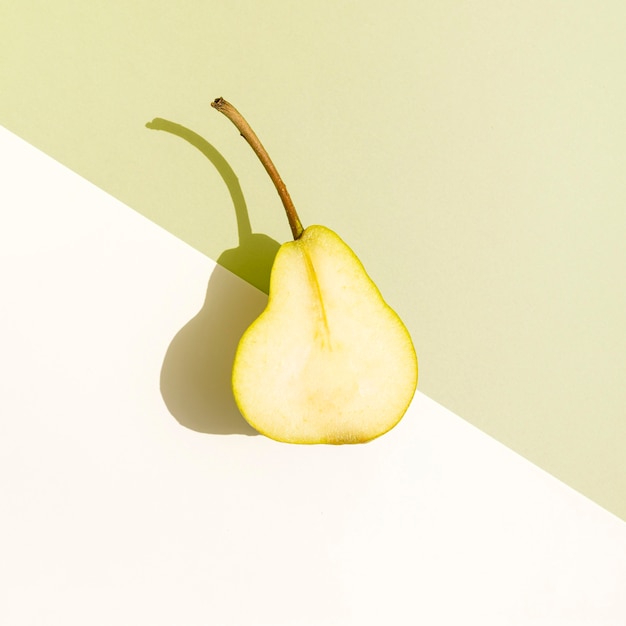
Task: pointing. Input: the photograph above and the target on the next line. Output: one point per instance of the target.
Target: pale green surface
(472, 154)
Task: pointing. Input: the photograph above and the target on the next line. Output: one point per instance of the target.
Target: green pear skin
(328, 361)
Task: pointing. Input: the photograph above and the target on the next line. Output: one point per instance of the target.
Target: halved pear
(328, 361)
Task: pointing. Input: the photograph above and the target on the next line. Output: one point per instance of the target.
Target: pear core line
(249, 135)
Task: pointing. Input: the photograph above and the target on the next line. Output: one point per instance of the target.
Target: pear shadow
(195, 376)
(196, 371)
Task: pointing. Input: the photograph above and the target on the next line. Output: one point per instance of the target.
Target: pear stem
(250, 136)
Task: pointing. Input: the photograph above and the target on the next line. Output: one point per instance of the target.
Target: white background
(133, 492)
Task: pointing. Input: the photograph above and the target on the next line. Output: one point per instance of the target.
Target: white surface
(113, 512)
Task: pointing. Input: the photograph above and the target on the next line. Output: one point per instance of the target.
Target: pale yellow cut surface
(328, 361)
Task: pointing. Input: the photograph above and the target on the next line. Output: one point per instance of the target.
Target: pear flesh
(328, 361)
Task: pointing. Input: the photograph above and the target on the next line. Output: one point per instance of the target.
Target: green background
(472, 154)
